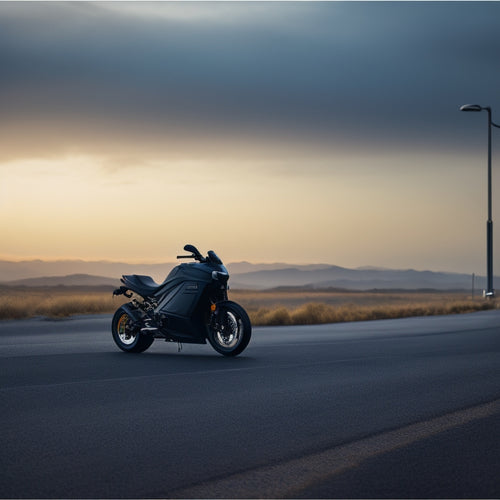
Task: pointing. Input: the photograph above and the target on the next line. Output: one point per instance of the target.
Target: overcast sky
(299, 132)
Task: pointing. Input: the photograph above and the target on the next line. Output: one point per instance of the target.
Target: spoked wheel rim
(230, 331)
(123, 328)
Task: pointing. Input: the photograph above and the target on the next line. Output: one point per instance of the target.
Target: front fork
(214, 322)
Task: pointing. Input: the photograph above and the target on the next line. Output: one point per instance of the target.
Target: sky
(301, 132)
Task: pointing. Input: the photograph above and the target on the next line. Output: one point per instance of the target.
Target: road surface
(396, 408)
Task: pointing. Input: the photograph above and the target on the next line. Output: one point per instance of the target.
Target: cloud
(187, 75)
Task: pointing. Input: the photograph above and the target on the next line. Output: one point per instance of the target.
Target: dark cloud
(372, 73)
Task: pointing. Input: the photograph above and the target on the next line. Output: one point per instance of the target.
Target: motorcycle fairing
(181, 299)
(178, 301)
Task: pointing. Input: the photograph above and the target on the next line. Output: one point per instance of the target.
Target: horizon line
(366, 267)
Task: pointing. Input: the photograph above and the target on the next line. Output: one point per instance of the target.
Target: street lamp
(490, 292)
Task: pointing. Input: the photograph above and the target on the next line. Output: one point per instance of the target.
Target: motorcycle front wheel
(126, 337)
(230, 332)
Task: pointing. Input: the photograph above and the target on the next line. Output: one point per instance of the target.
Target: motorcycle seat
(143, 285)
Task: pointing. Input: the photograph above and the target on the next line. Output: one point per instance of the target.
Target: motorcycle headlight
(220, 276)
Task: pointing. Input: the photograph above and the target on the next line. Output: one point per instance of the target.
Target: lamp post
(490, 292)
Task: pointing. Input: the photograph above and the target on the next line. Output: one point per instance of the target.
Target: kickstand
(179, 347)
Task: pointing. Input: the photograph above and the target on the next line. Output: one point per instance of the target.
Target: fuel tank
(183, 288)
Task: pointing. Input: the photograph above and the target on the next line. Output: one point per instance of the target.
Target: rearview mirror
(192, 249)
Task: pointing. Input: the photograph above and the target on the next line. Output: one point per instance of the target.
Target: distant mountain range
(69, 280)
(10, 271)
(355, 279)
(243, 275)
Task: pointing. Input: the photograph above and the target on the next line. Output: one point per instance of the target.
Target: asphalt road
(400, 408)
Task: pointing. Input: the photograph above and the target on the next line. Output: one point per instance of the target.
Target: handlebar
(196, 255)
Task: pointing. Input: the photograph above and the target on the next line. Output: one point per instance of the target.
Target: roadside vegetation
(293, 306)
(304, 307)
(55, 302)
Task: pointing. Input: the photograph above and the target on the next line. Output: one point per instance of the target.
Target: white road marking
(287, 479)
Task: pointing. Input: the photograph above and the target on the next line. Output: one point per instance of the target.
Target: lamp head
(471, 107)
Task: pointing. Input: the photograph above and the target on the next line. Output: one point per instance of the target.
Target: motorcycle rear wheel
(125, 336)
(231, 333)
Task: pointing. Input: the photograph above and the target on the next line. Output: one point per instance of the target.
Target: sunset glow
(266, 131)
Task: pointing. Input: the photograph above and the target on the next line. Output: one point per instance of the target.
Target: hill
(355, 279)
(85, 280)
(244, 275)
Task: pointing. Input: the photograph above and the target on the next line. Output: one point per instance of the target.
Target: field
(55, 302)
(292, 306)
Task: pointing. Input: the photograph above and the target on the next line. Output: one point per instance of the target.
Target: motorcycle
(190, 306)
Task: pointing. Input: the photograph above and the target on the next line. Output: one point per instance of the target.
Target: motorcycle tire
(231, 333)
(125, 337)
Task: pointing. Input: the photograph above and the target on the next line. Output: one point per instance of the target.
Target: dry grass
(319, 312)
(55, 302)
(305, 307)
(278, 307)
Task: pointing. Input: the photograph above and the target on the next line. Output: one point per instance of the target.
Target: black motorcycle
(190, 306)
